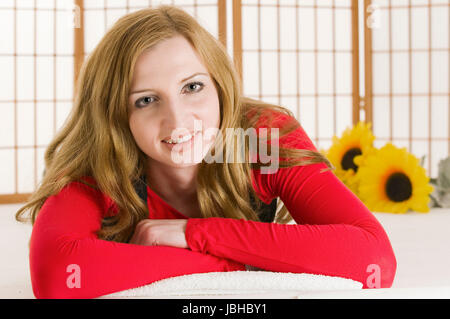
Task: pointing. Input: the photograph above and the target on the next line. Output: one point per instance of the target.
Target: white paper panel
(344, 112)
(268, 28)
(307, 73)
(40, 163)
(26, 168)
(25, 124)
(381, 116)
(25, 3)
(7, 171)
(440, 116)
(343, 29)
(7, 23)
(326, 114)
(94, 4)
(250, 70)
(139, 3)
(420, 68)
(112, 15)
(307, 31)
(439, 72)
(45, 24)
(343, 77)
(6, 78)
(380, 29)
(288, 73)
(44, 122)
(400, 116)
(6, 124)
(419, 28)
(440, 27)
(420, 116)
(250, 28)
(307, 115)
(288, 30)
(64, 32)
(25, 77)
(269, 73)
(94, 28)
(44, 77)
(439, 151)
(325, 29)
(380, 72)
(25, 31)
(64, 78)
(209, 19)
(400, 73)
(116, 3)
(325, 72)
(7, 4)
(62, 111)
(419, 149)
(400, 29)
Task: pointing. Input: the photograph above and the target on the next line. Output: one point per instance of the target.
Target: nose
(174, 115)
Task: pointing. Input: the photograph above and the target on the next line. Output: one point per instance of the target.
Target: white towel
(237, 282)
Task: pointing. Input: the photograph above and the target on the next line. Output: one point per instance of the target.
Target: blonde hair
(96, 140)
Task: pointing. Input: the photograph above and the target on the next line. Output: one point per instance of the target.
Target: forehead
(171, 56)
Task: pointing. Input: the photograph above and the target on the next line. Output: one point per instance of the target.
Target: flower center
(398, 187)
(347, 160)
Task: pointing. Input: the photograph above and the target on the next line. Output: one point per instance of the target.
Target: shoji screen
(407, 74)
(331, 62)
(99, 15)
(299, 54)
(36, 80)
(42, 47)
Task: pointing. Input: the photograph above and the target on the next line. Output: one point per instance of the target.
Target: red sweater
(335, 235)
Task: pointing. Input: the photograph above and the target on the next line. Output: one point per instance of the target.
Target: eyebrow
(183, 80)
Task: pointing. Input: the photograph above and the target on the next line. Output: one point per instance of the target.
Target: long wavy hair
(96, 140)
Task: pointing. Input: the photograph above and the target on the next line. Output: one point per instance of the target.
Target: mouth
(183, 146)
(182, 140)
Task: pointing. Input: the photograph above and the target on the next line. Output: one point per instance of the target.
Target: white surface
(420, 242)
(239, 282)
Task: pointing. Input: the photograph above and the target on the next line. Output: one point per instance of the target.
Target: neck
(174, 185)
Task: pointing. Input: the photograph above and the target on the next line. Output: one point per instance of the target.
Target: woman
(155, 74)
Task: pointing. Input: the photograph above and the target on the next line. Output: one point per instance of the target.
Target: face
(172, 95)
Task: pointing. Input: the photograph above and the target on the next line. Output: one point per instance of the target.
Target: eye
(200, 86)
(146, 100)
(143, 101)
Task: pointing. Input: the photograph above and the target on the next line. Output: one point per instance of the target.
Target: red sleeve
(335, 234)
(64, 235)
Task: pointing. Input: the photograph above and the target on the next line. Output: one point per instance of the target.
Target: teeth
(179, 140)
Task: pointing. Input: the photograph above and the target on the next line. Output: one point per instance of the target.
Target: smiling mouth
(182, 145)
(180, 140)
(175, 143)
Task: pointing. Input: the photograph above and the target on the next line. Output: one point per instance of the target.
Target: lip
(169, 137)
(184, 145)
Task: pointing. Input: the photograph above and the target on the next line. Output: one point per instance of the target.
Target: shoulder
(286, 127)
(270, 117)
(82, 193)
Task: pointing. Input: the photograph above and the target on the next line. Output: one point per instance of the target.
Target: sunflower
(354, 142)
(392, 180)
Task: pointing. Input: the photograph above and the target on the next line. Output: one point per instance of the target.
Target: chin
(184, 163)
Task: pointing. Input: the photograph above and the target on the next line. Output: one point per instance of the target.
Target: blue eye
(147, 99)
(200, 84)
(144, 99)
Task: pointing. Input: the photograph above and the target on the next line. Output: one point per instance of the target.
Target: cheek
(143, 133)
(211, 114)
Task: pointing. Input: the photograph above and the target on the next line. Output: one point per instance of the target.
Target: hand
(160, 232)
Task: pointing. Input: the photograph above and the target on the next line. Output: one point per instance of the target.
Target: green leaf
(422, 160)
(443, 179)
